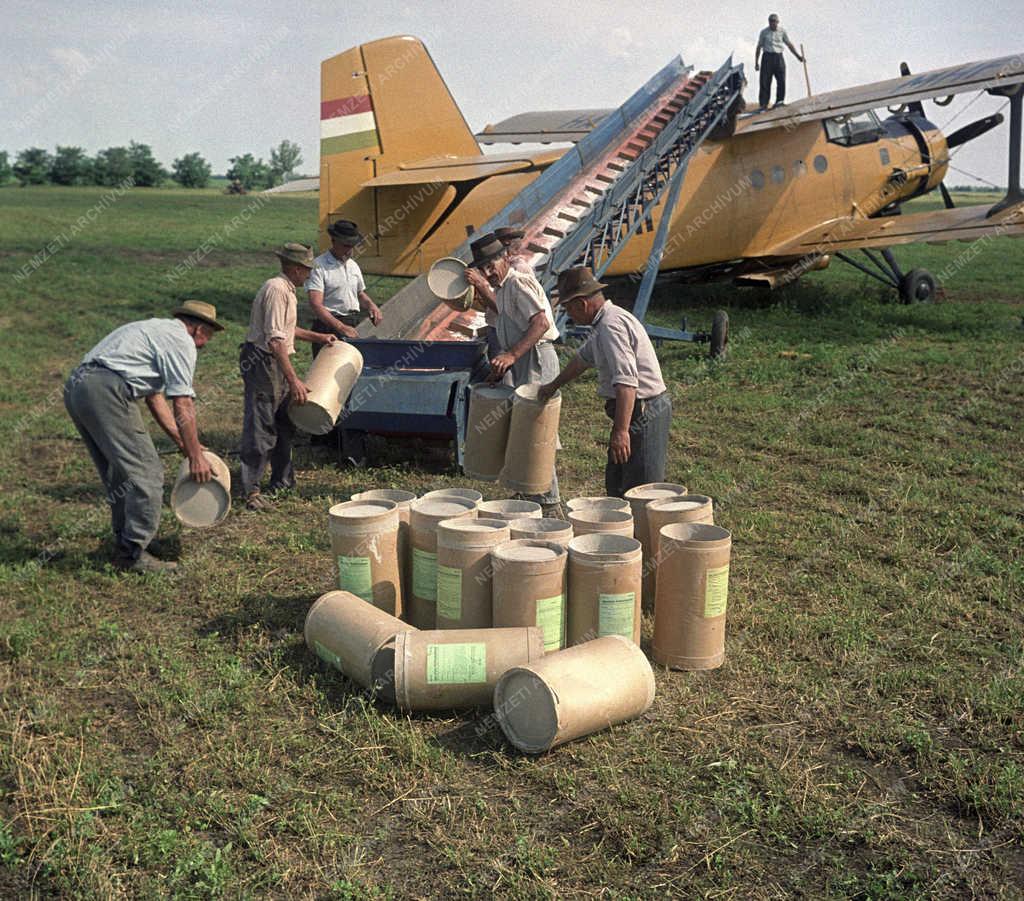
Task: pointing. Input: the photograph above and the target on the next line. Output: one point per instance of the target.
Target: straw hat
(293, 252)
(197, 309)
(577, 282)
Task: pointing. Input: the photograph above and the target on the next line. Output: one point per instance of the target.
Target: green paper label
(615, 614)
(449, 592)
(354, 575)
(717, 591)
(424, 574)
(551, 621)
(327, 655)
(456, 664)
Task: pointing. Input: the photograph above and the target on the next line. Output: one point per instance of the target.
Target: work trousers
(538, 365)
(267, 430)
(773, 65)
(109, 420)
(648, 446)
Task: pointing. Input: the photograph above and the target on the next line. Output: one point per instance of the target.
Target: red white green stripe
(347, 124)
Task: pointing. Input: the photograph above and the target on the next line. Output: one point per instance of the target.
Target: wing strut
(1013, 191)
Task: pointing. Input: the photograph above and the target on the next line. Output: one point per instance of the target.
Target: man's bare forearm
(572, 371)
(277, 348)
(538, 325)
(625, 400)
(185, 417)
(161, 412)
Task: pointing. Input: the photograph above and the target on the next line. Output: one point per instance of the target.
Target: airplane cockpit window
(858, 128)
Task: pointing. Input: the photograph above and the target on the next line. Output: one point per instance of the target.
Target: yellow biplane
(677, 179)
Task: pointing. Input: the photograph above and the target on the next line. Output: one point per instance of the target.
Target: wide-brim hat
(345, 231)
(485, 249)
(197, 309)
(576, 282)
(293, 252)
(508, 233)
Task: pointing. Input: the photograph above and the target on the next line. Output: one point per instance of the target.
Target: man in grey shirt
(628, 378)
(149, 360)
(769, 59)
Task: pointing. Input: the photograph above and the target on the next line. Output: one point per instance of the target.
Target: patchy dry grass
(172, 736)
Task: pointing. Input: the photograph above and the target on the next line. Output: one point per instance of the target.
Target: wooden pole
(807, 77)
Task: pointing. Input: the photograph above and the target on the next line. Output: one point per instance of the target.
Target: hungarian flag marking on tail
(347, 124)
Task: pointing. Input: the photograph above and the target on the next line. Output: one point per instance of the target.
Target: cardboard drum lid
(201, 505)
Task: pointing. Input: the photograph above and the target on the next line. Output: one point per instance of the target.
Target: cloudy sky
(228, 77)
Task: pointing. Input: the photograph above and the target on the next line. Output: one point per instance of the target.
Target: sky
(227, 78)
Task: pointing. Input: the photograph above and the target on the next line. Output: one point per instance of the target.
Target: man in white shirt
(525, 329)
(768, 57)
(150, 360)
(335, 287)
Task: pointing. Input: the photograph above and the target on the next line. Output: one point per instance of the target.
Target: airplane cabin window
(858, 128)
(778, 174)
(820, 163)
(757, 179)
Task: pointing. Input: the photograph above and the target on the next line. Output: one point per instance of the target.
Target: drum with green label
(693, 592)
(604, 587)
(529, 587)
(425, 514)
(464, 571)
(364, 544)
(458, 668)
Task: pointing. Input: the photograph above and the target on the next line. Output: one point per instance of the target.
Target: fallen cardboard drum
(453, 668)
(349, 634)
(202, 504)
(573, 693)
(364, 542)
(330, 380)
(532, 442)
(604, 588)
(588, 520)
(682, 508)
(639, 498)
(404, 501)
(464, 571)
(426, 513)
(490, 412)
(693, 589)
(603, 503)
(544, 529)
(466, 494)
(529, 587)
(510, 510)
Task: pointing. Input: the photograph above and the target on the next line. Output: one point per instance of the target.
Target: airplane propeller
(961, 136)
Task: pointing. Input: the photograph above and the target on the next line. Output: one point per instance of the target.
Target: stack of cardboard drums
(448, 601)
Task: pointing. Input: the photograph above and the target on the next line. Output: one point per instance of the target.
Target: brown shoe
(145, 563)
(553, 511)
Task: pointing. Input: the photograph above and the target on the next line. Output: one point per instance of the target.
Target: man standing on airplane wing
(768, 57)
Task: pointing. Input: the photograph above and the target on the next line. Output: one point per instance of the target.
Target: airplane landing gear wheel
(719, 335)
(918, 286)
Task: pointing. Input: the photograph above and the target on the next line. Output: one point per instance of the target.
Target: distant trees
(249, 172)
(32, 166)
(191, 171)
(71, 166)
(113, 166)
(5, 168)
(284, 160)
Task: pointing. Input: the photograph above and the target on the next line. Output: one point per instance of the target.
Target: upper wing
(462, 168)
(937, 226)
(555, 126)
(984, 75)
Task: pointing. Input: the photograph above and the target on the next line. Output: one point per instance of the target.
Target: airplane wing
(462, 168)
(554, 126)
(984, 75)
(967, 223)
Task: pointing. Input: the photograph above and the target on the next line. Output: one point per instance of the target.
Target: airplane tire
(719, 335)
(918, 286)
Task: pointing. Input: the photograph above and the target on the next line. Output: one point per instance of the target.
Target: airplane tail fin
(381, 104)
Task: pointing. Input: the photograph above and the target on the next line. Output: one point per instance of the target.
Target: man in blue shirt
(150, 360)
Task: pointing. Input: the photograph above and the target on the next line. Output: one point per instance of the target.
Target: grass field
(864, 738)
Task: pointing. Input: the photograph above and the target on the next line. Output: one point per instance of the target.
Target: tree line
(115, 165)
